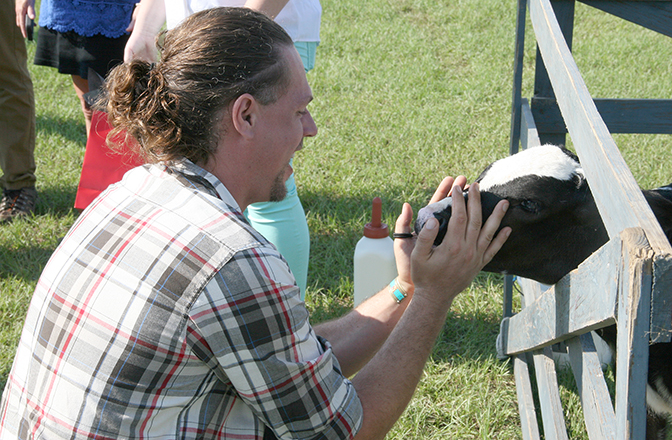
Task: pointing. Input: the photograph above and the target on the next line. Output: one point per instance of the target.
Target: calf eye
(530, 206)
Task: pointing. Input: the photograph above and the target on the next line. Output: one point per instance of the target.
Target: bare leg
(82, 87)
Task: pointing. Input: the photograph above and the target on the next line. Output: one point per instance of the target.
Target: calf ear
(580, 181)
(584, 205)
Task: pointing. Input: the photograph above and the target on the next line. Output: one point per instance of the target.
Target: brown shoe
(17, 203)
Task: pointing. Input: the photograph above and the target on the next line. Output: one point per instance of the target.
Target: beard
(279, 188)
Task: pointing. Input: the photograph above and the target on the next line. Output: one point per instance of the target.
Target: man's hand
(444, 271)
(404, 247)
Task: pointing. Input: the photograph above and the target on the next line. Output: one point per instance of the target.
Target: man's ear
(244, 114)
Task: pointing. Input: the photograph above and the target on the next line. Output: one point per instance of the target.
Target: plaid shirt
(164, 315)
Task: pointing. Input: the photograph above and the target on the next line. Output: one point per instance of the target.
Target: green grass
(406, 92)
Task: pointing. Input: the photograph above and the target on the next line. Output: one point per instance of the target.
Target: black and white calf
(555, 226)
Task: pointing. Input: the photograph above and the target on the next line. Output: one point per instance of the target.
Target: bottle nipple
(376, 229)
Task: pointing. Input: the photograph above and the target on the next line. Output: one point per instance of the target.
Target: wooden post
(632, 349)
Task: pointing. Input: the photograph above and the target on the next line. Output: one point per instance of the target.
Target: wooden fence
(629, 280)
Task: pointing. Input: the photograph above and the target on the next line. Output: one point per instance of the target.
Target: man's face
(287, 121)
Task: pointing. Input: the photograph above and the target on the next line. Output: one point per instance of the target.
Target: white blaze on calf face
(542, 161)
(428, 211)
(518, 174)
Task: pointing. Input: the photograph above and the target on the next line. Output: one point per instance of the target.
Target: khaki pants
(17, 105)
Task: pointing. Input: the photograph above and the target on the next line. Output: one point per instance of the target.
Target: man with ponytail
(282, 222)
(163, 314)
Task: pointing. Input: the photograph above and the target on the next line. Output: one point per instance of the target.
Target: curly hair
(171, 108)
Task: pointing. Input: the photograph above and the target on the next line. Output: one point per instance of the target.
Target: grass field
(406, 92)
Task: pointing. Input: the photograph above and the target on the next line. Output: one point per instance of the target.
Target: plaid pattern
(164, 315)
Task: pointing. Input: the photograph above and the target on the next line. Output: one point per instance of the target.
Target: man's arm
(387, 382)
(355, 338)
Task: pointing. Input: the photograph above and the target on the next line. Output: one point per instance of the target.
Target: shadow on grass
(56, 201)
(27, 244)
(69, 129)
(472, 333)
(25, 263)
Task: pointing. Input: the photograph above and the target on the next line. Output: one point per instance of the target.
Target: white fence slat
(552, 416)
(528, 413)
(529, 136)
(549, 396)
(564, 310)
(598, 410)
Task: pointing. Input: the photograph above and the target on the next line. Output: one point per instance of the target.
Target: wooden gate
(629, 280)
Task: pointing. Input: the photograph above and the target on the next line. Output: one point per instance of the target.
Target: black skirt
(74, 54)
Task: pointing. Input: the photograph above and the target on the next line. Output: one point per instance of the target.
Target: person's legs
(17, 117)
(81, 87)
(284, 223)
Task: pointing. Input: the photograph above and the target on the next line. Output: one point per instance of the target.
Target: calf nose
(441, 210)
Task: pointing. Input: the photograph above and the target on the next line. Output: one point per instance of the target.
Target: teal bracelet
(397, 292)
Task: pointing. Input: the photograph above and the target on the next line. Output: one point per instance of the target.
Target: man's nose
(309, 126)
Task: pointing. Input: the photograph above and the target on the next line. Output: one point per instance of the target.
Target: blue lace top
(87, 17)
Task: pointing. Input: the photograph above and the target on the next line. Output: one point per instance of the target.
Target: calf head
(554, 221)
(555, 226)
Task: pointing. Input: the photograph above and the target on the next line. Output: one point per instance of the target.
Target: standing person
(283, 222)
(76, 35)
(17, 117)
(163, 314)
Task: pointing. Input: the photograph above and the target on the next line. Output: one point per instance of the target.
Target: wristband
(397, 291)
